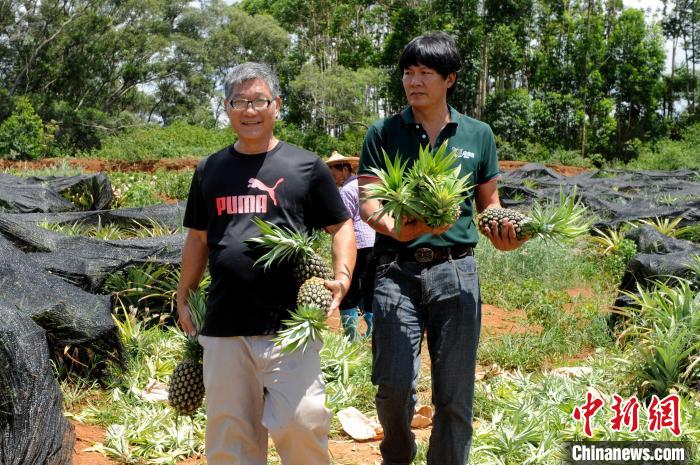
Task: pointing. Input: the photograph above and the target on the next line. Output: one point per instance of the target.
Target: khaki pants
(252, 389)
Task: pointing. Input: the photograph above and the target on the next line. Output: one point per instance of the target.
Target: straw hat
(336, 159)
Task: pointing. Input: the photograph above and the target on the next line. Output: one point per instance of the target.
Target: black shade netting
(51, 193)
(69, 315)
(33, 430)
(86, 262)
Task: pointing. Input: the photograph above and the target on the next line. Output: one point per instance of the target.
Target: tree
(633, 70)
(335, 99)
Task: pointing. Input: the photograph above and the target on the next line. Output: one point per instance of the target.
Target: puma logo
(257, 184)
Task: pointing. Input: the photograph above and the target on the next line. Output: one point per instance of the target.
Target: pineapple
(286, 244)
(431, 190)
(307, 324)
(310, 272)
(314, 293)
(186, 390)
(564, 221)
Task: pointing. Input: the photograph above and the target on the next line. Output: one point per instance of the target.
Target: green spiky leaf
(284, 244)
(431, 190)
(306, 325)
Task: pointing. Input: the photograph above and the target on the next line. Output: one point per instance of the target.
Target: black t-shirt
(287, 186)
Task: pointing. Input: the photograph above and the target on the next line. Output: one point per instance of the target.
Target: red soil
(176, 164)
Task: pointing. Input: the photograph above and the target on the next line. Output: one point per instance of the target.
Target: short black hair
(437, 50)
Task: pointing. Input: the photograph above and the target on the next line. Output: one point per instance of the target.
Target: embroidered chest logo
(461, 153)
(237, 204)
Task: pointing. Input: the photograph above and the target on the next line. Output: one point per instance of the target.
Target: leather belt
(427, 254)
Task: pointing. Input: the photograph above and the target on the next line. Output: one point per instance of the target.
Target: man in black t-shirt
(253, 388)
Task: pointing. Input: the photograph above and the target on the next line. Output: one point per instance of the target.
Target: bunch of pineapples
(310, 271)
(431, 190)
(186, 390)
(566, 220)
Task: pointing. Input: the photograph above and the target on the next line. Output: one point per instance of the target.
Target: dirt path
(176, 164)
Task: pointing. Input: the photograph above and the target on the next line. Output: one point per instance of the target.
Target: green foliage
(430, 190)
(669, 154)
(662, 338)
(113, 231)
(634, 66)
(23, 135)
(335, 98)
(138, 189)
(615, 263)
(509, 114)
(180, 139)
(148, 285)
(138, 430)
(347, 373)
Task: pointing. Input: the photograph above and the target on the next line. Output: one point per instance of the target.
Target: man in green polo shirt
(426, 280)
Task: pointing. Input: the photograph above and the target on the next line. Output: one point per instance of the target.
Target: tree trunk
(483, 81)
(671, 102)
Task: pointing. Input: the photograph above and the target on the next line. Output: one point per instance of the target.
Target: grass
(144, 189)
(535, 279)
(113, 231)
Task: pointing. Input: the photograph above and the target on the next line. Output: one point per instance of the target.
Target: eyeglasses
(243, 104)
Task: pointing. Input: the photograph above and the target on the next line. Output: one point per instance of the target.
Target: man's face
(425, 87)
(339, 174)
(253, 125)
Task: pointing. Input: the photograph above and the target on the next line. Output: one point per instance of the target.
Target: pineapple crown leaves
(567, 220)
(431, 190)
(284, 243)
(306, 324)
(392, 189)
(435, 164)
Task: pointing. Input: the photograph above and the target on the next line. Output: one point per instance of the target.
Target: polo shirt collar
(408, 120)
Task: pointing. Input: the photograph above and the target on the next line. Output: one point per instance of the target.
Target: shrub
(180, 139)
(23, 135)
(509, 114)
(668, 154)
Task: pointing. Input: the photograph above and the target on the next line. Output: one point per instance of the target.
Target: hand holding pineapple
(421, 199)
(319, 292)
(412, 229)
(184, 319)
(503, 237)
(507, 228)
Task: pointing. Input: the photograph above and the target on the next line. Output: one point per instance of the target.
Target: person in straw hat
(359, 295)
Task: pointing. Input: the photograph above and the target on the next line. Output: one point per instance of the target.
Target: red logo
(257, 184)
(238, 204)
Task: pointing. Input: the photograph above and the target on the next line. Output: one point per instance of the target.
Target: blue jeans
(442, 299)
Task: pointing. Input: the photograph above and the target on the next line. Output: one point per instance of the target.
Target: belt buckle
(424, 255)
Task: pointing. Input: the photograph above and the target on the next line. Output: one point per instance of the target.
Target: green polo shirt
(401, 134)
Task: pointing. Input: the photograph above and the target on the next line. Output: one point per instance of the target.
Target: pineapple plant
(564, 221)
(186, 390)
(431, 190)
(306, 324)
(310, 272)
